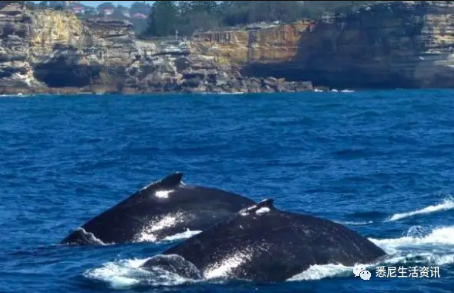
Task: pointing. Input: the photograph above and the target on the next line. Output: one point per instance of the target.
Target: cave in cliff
(59, 73)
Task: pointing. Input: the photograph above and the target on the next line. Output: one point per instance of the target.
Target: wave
(318, 272)
(438, 236)
(399, 250)
(342, 91)
(122, 274)
(125, 274)
(89, 237)
(19, 95)
(446, 205)
(445, 260)
(352, 223)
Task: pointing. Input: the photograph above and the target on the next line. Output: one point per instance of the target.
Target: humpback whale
(161, 209)
(264, 244)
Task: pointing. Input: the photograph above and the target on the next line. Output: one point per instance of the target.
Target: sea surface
(380, 162)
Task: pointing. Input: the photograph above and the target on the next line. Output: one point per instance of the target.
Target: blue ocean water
(380, 162)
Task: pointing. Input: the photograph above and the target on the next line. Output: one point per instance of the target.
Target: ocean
(379, 162)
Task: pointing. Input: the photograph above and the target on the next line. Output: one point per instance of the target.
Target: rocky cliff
(402, 44)
(48, 51)
(405, 44)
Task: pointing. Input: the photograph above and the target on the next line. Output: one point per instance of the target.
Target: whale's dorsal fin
(168, 182)
(262, 207)
(171, 180)
(267, 203)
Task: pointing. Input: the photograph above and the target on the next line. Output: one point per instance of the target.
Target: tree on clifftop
(105, 5)
(43, 4)
(163, 19)
(140, 7)
(203, 6)
(190, 16)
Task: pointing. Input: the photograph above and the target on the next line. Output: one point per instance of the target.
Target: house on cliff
(78, 8)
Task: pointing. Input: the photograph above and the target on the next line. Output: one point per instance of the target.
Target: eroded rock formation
(402, 44)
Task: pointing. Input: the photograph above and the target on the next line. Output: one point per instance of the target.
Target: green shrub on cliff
(187, 17)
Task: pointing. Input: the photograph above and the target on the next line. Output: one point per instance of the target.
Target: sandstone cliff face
(276, 43)
(15, 71)
(58, 43)
(405, 44)
(54, 51)
(389, 45)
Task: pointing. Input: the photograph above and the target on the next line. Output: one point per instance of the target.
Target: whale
(163, 209)
(264, 244)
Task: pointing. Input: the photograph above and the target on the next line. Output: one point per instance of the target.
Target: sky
(96, 3)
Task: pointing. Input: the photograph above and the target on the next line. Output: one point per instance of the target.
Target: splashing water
(130, 273)
(446, 205)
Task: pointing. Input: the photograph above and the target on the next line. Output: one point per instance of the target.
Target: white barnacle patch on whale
(163, 193)
(247, 211)
(257, 209)
(262, 211)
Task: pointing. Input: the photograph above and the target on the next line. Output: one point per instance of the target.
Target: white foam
(356, 223)
(119, 275)
(184, 235)
(125, 274)
(163, 193)
(439, 236)
(225, 266)
(423, 257)
(262, 211)
(400, 249)
(318, 272)
(444, 260)
(447, 204)
(91, 237)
